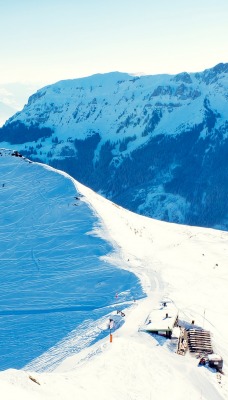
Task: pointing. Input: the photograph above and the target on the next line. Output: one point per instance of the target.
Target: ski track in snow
(42, 233)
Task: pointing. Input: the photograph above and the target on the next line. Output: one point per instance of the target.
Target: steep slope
(55, 275)
(188, 266)
(157, 145)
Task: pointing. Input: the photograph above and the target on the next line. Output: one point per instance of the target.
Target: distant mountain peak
(136, 140)
(183, 77)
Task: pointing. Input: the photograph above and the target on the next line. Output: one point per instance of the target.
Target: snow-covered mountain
(55, 273)
(157, 145)
(62, 249)
(6, 112)
(13, 97)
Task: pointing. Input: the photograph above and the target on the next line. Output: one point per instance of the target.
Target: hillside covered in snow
(156, 145)
(54, 274)
(70, 260)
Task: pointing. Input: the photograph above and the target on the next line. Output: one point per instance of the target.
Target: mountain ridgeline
(156, 145)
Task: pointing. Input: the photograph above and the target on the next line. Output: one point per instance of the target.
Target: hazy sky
(49, 40)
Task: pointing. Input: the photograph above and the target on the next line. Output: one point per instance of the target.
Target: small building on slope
(162, 320)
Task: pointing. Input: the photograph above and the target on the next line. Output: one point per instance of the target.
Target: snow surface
(117, 106)
(54, 280)
(187, 266)
(112, 119)
(162, 318)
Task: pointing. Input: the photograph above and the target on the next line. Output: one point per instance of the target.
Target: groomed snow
(55, 285)
(186, 265)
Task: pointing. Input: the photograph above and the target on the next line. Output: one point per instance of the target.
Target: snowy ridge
(156, 145)
(184, 264)
(118, 106)
(54, 275)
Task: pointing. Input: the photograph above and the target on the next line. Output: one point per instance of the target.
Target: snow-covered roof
(214, 357)
(162, 318)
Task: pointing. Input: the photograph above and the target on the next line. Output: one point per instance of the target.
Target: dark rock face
(157, 145)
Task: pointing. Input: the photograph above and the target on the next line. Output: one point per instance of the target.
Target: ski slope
(53, 276)
(186, 265)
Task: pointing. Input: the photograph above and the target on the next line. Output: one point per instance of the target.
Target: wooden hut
(162, 320)
(215, 361)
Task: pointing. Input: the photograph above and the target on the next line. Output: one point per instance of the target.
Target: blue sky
(48, 40)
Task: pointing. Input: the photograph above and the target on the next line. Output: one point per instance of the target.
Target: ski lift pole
(203, 317)
(110, 329)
